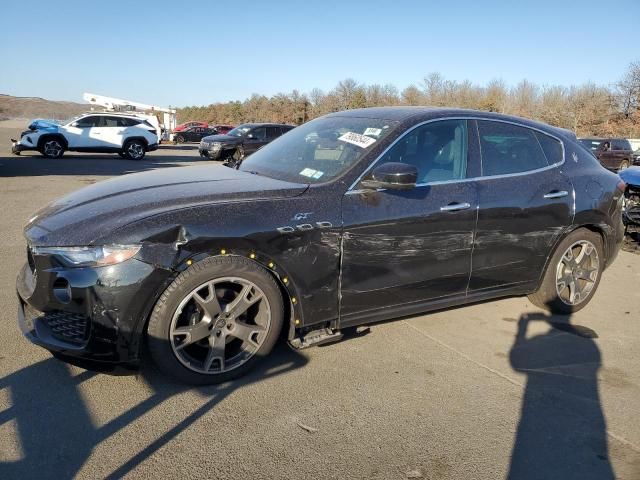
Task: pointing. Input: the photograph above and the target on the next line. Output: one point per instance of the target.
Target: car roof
(116, 114)
(418, 114)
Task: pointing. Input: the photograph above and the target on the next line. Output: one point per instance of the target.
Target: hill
(35, 107)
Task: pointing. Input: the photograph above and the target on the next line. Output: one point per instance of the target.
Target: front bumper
(17, 147)
(92, 317)
(209, 153)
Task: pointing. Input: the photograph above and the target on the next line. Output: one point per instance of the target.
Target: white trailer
(167, 122)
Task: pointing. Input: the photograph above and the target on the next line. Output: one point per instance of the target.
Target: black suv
(241, 141)
(613, 153)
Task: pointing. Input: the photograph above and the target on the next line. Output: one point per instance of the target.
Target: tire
(202, 339)
(562, 292)
(179, 139)
(623, 165)
(52, 148)
(134, 149)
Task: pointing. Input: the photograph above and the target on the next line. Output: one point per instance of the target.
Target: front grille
(65, 326)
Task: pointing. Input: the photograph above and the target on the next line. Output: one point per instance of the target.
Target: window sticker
(308, 172)
(373, 132)
(318, 174)
(358, 140)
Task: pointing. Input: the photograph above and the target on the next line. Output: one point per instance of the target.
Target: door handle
(454, 207)
(556, 194)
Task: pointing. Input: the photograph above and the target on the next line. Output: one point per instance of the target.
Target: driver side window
(259, 133)
(88, 122)
(438, 150)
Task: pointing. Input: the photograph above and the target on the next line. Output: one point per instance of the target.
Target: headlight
(90, 256)
(216, 145)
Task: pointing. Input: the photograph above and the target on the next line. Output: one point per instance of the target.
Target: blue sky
(195, 52)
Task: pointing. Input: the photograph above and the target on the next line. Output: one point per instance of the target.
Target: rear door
(111, 131)
(525, 204)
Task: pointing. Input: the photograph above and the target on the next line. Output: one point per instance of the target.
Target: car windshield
(591, 143)
(239, 131)
(320, 150)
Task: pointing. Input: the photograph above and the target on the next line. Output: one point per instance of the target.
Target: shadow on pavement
(562, 431)
(56, 428)
(33, 165)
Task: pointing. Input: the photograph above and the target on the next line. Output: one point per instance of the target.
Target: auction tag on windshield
(373, 132)
(361, 141)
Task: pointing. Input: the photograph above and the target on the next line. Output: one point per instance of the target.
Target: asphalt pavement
(494, 390)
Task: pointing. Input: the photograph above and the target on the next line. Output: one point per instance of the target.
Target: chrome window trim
(351, 189)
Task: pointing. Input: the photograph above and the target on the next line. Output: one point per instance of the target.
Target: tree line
(587, 110)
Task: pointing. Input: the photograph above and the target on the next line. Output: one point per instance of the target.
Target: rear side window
(551, 147)
(128, 122)
(620, 144)
(508, 148)
(273, 132)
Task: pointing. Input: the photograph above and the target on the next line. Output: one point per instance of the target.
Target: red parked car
(184, 126)
(223, 129)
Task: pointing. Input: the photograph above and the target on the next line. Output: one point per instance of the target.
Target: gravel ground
(488, 391)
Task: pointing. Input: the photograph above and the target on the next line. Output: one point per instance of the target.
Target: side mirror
(393, 175)
(74, 124)
(251, 136)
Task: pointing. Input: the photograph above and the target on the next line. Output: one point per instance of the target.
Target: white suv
(127, 135)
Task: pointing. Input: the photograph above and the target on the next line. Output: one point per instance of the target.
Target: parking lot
(488, 391)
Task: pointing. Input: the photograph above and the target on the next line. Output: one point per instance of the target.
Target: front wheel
(573, 274)
(238, 154)
(134, 150)
(179, 139)
(624, 165)
(52, 148)
(215, 321)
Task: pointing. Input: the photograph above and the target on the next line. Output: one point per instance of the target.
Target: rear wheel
(573, 273)
(215, 321)
(52, 148)
(134, 149)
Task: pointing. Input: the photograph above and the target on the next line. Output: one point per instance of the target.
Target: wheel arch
(50, 136)
(286, 286)
(593, 227)
(129, 139)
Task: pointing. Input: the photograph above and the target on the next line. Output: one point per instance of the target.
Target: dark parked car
(242, 141)
(355, 217)
(193, 134)
(631, 177)
(184, 126)
(613, 153)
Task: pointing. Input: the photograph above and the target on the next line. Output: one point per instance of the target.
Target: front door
(412, 246)
(257, 140)
(525, 205)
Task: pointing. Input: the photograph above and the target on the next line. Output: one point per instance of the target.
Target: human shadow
(562, 431)
(57, 430)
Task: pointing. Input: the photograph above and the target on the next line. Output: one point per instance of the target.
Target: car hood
(44, 125)
(631, 176)
(222, 138)
(83, 217)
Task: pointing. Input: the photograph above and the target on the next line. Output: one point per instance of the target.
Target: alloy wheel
(220, 325)
(577, 272)
(52, 148)
(135, 150)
